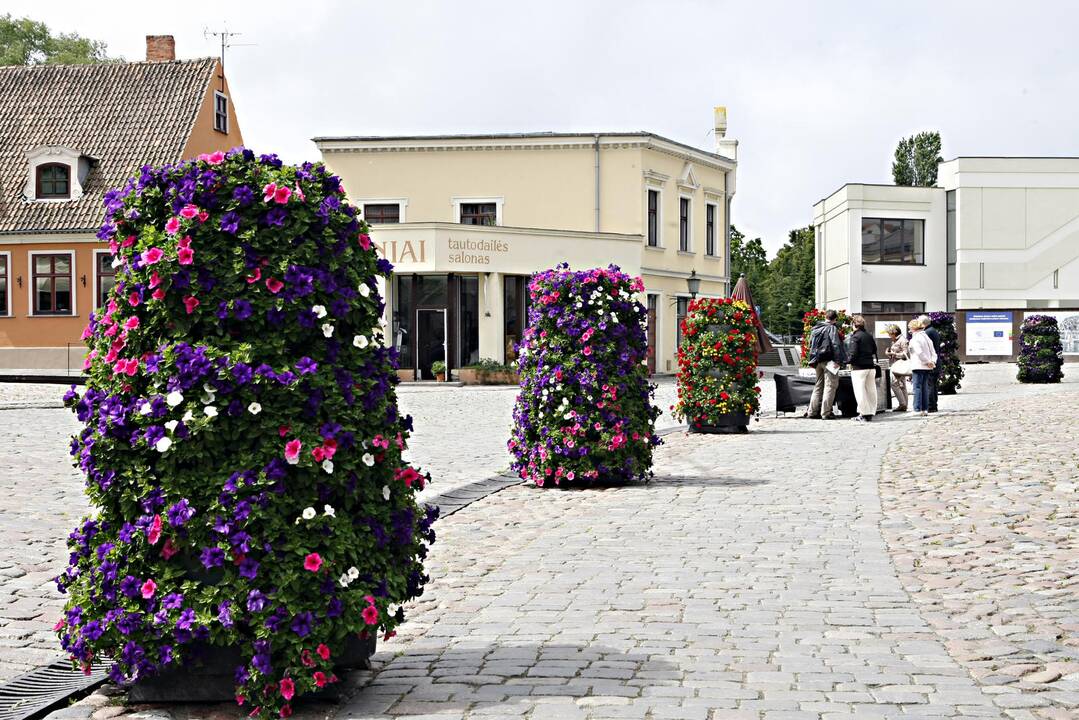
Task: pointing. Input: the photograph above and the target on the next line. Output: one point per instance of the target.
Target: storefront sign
(989, 333)
(470, 251)
(402, 251)
(1069, 328)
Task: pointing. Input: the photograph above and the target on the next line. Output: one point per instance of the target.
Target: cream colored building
(465, 219)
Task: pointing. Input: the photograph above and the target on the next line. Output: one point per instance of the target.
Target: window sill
(657, 248)
(880, 264)
(687, 252)
(712, 257)
(33, 315)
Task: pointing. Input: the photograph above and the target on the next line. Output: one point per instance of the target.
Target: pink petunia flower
(288, 688)
(169, 549)
(274, 285)
(370, 615)
(128, 241)
(152, 256)
(292, 451)
(215, 158)
(148, 589)
(281, 195)
(312, 562)
(185, 255)
(189, 211)
(365, 241)
(131, 323)
(320, 678)
(268, 192)
(323, 651)
(155, 279)
(158, 294)
(185, 241)
(133, 299)
(172, 226)
(190, 303)
(203, 216)
(255, 276)
(153, 533)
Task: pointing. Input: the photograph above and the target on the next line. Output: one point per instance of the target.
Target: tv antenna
(225, 36)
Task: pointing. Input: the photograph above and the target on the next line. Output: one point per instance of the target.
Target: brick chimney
(160, 48)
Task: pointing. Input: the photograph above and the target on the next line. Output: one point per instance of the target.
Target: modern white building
(995, 233)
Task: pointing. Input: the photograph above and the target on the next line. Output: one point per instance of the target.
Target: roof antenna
(226, 40)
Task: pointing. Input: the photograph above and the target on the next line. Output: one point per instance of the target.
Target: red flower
(323, 651)
(320, 679)
(288, 689)
(312, 563)
(370, 615)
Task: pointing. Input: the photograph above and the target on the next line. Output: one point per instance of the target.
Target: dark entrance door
(430, 341)
(652, 334)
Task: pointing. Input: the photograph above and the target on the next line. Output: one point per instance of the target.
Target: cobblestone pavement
(986, 540)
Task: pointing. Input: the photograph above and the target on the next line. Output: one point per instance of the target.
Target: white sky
(817, 93)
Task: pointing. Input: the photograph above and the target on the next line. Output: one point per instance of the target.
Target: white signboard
(881, 329)
(1069, 328)
(989, 332)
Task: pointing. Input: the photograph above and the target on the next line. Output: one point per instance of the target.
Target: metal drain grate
(39, 690)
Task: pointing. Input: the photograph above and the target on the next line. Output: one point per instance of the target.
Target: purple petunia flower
(306, 366)
(230, 221)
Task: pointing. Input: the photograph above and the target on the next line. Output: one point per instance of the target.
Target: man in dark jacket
(934, 375)
(825, 346)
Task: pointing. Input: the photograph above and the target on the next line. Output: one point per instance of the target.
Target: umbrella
(741, 292)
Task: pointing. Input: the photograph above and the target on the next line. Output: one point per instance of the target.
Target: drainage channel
(47, 688)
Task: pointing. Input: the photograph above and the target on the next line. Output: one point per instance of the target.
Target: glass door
(430, 341)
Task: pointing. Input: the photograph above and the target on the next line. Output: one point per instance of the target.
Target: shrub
(488, 365)
(948, 364)
(844, 324)
(242, 443)
(1041, 354)
(438, 367)
(717, 363)
(584, 412)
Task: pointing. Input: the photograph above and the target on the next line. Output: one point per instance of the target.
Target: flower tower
(717, 366)
(584, 413)
(811, 319)
(951, 369)
(242, 443)
(1041, 354)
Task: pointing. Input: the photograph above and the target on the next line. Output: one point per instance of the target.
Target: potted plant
(584, 412)
(488, 371)
(1041, 354)
(844, 324)
(717, 367)
(949, 366)
(438, 369)
(241, 443)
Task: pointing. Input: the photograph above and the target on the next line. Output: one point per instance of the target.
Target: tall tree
(916, 160)
(749, 257)
(27, 42)
(791, 278)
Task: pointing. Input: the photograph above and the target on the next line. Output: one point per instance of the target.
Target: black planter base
(730, 424)
(210, 677)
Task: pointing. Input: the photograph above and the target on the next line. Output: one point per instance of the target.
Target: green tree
(790, 278)
(916, 160)
(27, 42)
(750, 258)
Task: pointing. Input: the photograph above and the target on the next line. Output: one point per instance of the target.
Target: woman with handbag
(863, 374)
(899, 365)
(923, 358)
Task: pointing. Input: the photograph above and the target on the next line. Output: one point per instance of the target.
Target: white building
(996, 233)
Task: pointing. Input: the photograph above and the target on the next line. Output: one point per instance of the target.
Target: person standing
(897, 357)
(934, 379)
(863, 375)
(825, 346)
(923, 360)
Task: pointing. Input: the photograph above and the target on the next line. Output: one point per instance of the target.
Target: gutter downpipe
(596, 153)
(727, 228)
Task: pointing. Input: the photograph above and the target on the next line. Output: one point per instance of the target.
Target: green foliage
(491, 365)
(748, 257)
(27, 42)
(790, 277)
(916, 160)
(438, 366)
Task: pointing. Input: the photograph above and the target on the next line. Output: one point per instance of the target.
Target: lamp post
(790, 320)
(693, 284)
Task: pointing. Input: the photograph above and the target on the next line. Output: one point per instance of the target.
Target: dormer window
(221, 112)
(53, 181)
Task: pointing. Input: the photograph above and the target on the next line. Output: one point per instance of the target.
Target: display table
(796, 390)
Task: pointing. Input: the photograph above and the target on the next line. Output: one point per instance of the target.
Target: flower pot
(720, 329)
(726, 424)
(209, 674)
(440, 377)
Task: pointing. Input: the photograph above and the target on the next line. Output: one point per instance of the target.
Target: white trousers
(865, 391)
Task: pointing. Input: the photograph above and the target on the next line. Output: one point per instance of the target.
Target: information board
(989, 332)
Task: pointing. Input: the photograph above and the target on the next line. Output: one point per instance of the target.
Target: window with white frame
(51, 283)
(710, 229)
(653, 218)
(382, 213)
(681, 309)
(5, 284)
(53, 181)
(683, 224)
(104, 278)
(221, 112)
(475, 213)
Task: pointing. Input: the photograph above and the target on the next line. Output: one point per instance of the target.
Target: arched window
(53, 181)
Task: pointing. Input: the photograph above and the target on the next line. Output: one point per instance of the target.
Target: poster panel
(880, 328)
(989, 332)
(1069, 328)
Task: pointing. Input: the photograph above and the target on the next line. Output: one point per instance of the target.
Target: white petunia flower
(188, 416)
(343, 581)
(319, 310)
(368, 459)
(328, 510)
(209, 389)
(360, 341)
(210, 411)
(163, 444)
(254, 408)
(174, 398)
(327, 329)
(353, 573)
(117, 263)
(327, 465)
(308, 513)
(171, 425)
(365, 290)
(385, 492)
(145, 409)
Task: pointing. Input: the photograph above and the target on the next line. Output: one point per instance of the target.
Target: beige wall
(204, 138)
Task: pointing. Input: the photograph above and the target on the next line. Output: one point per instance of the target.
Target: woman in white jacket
(923, 358)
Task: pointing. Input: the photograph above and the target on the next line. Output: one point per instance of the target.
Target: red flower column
(717, 367)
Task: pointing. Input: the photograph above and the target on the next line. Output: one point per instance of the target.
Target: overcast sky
(817, 93)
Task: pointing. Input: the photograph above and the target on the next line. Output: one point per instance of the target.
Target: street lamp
(693, 283)
(790, 320)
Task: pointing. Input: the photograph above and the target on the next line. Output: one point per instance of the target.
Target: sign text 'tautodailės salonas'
(475, 252)
(466, 251)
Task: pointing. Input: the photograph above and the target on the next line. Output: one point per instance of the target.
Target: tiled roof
(123, 115)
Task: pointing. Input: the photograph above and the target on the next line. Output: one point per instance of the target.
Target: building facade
(465, 220)
(68, 134)
(995, 233)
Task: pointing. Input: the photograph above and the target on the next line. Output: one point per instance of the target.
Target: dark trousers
(923, 379)
(934, 380)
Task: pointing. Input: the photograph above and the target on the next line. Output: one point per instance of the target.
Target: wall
(204, 138)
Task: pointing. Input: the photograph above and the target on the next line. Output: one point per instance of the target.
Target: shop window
(52, 284)
(710, 229)
(53, 181)
(904, 308)
(468, 323)
(892, 242)
(430, 290)
(479, 214)
(106, 279)
(221, 113)
(683, 224)
(653, 218)
(402, 319)
(5, 306)
(382, 213)
(681, 310)
(515, 312)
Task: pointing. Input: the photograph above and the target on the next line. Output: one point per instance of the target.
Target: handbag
(901, 367)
